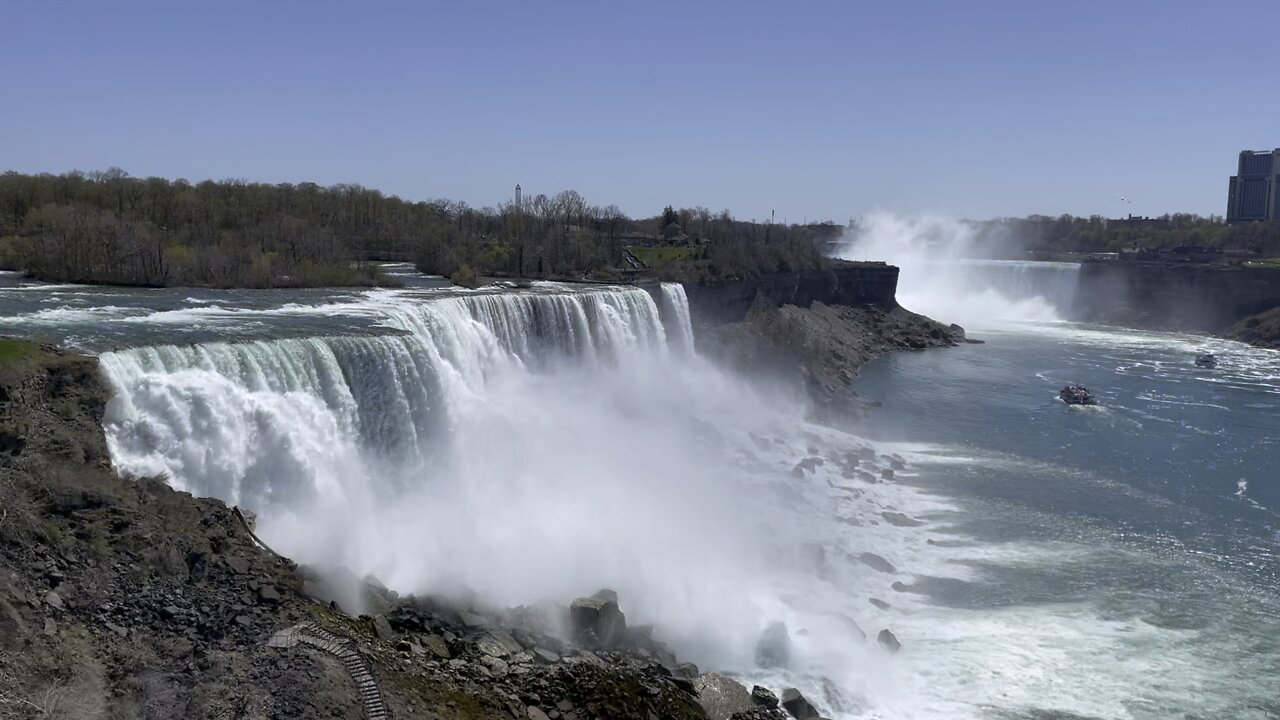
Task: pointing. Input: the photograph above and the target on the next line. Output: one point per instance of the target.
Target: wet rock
(774, 646)
(597, 622)
(764, 697)
(436, 645)
(875, 562)
(798, 706)
(887, 473)
(503, 638)
(888, 641)
(879, 603)
(721, 697)
(490, 647)
(899, 587)
(900, 520)
(809, 464)
(497, 666)
(896, 462)
(382, 628)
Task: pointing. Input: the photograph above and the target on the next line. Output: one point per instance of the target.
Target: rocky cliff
(1176, 296)
(728, 300)
(815, 329)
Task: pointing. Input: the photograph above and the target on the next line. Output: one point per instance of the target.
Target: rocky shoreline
(123, 598)
(821, 347)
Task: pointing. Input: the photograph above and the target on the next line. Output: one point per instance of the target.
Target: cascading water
(526, 446)
(942, 277)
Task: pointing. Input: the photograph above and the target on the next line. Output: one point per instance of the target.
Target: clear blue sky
(814, 109)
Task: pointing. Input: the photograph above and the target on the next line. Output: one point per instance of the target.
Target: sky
(813, 110)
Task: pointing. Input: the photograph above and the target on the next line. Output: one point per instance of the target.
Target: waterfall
(942, 277)
(675, 311)
(275, 422)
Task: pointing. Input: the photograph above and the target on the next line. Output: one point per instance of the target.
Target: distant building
(1139, 222)
(1253, 193)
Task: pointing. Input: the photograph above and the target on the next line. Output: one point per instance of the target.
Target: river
(1036, 561)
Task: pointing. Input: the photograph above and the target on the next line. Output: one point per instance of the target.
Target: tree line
(108, 227)
(1096, 234)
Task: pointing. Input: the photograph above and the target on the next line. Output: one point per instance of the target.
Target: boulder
(887, 473)
(764, 697)
(888, 641)
(721, 696)
(898, 587)
(382, 628)
(875, 562)
(774, 646)
(879, 603)
(798, 706)
(53, 600)
(899, 520)
(436, 645)
(597, 622)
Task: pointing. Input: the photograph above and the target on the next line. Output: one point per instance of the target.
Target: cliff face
(1200, 298)
(812, 329)
(846, 283)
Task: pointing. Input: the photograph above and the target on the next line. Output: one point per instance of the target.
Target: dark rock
(597, 622)
(764, 697)
(269, 595)
(798, 706)
(721, 696)
(888, 641)
(536, 714)
(688, 669)
(53, 600)
(879, 603)
(809, 464)
(900, 520)
(238, 565)
(774, 646)
(436, 645)
(875, 562)
(899, 587)
(118, 629)
(545, 655)
(897, 463)
(508, 643)
(887, 473)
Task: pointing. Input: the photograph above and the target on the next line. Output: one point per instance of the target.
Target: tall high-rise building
(517, 196)
(1253, 193)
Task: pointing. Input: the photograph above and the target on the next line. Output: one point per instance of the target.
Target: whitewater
(519, 446)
